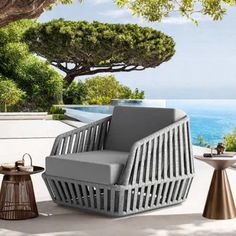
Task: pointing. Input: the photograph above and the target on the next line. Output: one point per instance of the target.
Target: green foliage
(102, 89)
(200, 141)
(230, 141)
(57, 110)
(9, 93)
(137, 95)
(42, 84)
(75, 94)
(58, 117)
(99, 90)
(57, 2)
(126, 93)
(98, 47)
(65, 1)
(57, 113)
(13, 32)
(156, 10)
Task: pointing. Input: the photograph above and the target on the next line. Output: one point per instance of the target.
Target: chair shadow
(56, 220)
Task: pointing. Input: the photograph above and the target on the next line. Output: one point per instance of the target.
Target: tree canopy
(156, 10)
(151, 10)
(83, 48)
(41, 83)
(102, 89)
(99, 90)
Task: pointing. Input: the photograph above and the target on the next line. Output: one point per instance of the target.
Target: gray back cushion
(129, 124)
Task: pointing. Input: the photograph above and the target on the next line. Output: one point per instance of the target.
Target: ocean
(210, 119)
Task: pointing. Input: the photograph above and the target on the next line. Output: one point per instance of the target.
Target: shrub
(230, 141)
(200, 141)
(102, 89)
(76, 93)
(57, 110)
(42, 85)
(99, 90)
(10, 94)
(58, 117)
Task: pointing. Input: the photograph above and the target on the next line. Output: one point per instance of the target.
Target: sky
(203, 67)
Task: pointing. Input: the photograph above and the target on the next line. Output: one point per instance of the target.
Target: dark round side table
(17, 200)
(220, 202)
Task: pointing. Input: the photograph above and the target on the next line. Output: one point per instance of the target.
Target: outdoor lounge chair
(136, 160)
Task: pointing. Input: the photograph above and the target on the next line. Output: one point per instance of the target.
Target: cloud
(180, 20)
(176, 20)
(116, 13)
(99, 2)
(127, 16)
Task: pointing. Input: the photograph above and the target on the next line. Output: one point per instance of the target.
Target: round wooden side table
(220, 202)
(17, 200)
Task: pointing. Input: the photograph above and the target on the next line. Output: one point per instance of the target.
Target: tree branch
(61, 67)
(99, 69)
(11, 10)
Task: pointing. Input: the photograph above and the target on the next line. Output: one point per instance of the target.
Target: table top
(218, 163)
(37, 169)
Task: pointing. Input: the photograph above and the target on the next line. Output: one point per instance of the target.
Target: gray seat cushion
(98, 166)
(129, 124)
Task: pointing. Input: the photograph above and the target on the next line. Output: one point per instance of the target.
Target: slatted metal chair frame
(158, 173)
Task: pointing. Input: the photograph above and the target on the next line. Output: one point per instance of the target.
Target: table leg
(220, 202)
(17, 198)
(30, 190)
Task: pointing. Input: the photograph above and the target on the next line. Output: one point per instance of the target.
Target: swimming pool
(88, 114)
(91, 113)
(211, 119)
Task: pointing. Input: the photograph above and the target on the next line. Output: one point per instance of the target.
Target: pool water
(96, 109)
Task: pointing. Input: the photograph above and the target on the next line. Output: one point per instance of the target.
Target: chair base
(118, 200)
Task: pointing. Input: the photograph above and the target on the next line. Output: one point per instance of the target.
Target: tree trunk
(5, 107)
(68, 80)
